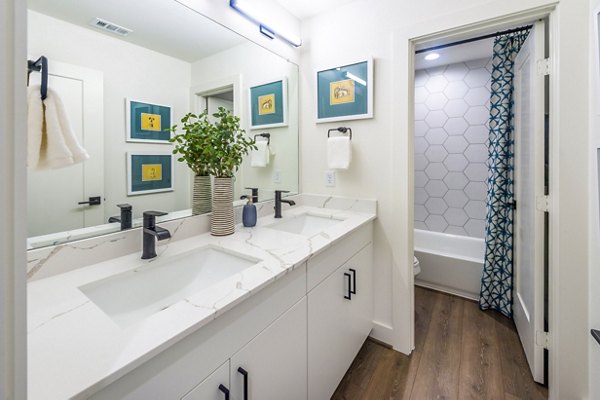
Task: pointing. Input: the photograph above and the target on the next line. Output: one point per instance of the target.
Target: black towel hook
(341, 129)
(40, 65)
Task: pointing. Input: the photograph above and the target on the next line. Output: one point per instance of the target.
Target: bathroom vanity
(278, 311)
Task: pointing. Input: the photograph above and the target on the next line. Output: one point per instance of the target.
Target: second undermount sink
(305, 224)
(132, 296)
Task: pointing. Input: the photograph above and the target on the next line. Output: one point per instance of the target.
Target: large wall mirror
(172, 57)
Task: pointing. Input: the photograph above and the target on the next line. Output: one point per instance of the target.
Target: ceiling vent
(110, 27)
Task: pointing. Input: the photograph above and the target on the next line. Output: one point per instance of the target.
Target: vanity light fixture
(432, 56)
(245, 8)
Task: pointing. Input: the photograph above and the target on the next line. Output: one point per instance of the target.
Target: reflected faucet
(278, 202)
(125, 218)
(150, 231)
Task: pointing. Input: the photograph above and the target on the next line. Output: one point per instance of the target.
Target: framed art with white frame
(268, 104)
(147, 122)
(345, 92)
(149, 172)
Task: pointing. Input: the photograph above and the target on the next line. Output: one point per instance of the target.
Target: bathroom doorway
(463, 237)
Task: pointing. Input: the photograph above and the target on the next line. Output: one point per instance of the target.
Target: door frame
(453, 27)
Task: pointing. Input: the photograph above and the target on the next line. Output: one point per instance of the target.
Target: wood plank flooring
(460, 353)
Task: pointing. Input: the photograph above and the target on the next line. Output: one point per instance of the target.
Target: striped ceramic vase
(222, 220)
(201, 195)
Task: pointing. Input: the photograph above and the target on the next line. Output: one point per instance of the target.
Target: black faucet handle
(125, 206)
(282, 191)
(154, 213)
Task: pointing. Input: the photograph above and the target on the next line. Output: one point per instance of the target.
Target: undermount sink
(132, 296)
(304, 224)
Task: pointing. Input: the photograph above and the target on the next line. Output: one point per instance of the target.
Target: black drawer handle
(353, 291)
(245, 375)
(349, 295)
(223, 389)
(92, 201)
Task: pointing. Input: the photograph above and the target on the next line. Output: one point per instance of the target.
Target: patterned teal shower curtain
(497, 279)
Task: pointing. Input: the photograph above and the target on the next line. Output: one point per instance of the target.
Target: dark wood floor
(460, 353)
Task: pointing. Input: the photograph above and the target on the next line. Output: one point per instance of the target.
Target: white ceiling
(303, 9)
(163, 26)
(455, 54)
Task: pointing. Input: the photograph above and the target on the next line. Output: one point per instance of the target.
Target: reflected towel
(339, 152)
(260, 157)
(51, 141)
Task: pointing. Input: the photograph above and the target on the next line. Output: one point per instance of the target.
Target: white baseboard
(445, 289)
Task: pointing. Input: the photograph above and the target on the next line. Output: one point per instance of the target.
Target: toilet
(416, 266)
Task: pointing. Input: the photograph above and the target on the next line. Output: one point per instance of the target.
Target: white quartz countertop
(75, 349)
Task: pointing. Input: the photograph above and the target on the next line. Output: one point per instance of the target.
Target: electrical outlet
(277, 176)
(330, 178)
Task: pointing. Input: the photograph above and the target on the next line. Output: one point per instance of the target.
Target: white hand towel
(260, 157)
(339, 152)
(51, 140)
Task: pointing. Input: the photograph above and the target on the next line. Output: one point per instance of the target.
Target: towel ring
(341, 129)
(264, 135)
(40, 65)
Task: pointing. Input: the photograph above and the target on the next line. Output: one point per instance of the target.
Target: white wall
(130, 71)
(382, 163)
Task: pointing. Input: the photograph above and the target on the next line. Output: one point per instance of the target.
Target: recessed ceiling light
(432, 56)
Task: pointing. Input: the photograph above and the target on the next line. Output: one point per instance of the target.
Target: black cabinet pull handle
(245, 375)
(353, 291)
(349, 295)
(223, 389)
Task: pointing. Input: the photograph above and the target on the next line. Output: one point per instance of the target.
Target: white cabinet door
(275, 361)
(339, 322)
(214, 387)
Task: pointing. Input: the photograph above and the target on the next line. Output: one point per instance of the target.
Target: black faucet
(150, 231)
(254, 195)
(125, 218)
(278, 202)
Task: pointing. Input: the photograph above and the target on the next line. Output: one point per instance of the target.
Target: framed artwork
(146, 122)
(345, 92)
(268, 105)
(149, 172)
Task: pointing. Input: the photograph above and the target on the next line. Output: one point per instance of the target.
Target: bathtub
(449, 263)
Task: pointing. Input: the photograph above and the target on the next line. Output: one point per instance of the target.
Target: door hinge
(542, 203)
(542, 339)
(543, 67)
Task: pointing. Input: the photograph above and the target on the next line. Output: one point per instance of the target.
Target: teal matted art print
(146, 122)
(149, 172)
(268, 105)
(345, 92)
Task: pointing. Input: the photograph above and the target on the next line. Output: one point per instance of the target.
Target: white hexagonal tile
(456, 180)
(436, 188)
(436, 136)
(436, 153)
(456, 198)
(436, 101)
(455, 144)
(435, 119)
(455, 162)
(476, 172)
(421, 213)
(420, 179)
(456, 72)
(433, 71)
(456, 90)
(453, 230)
(420, 162)
(436, 206)
(420, 225)
(420, 145)
(436, 170)
(475, 209)
(421, 196)
(478, 96)
(477, 153)
(455, 216)
(456, 126)
(477, 115)
(477, 134)
(421, 77)
(421, 94)
(479, 63)
(477, 77)
(456, 108)
(421, 128)
(436, 84)
(475, 228)
(436, 223)
(421, 112)
(476, 191)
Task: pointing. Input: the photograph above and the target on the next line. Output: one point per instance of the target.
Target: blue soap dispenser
(249, 214)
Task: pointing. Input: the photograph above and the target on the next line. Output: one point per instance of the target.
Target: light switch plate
(330, 178)
(277, 176)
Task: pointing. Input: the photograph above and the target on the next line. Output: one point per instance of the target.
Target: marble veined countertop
(75, 349)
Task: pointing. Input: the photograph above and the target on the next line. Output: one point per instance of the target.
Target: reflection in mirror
(172, 57)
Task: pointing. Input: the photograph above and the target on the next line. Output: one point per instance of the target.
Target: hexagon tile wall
(451, 128)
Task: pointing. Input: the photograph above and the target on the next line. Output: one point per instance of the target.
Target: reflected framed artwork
(268, 105)
(149, 172)
(345, 92)
(146, 122)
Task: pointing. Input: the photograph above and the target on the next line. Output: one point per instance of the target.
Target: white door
(53, 195)
(529, 194)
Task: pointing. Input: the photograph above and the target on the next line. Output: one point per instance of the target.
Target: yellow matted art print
(341, 92)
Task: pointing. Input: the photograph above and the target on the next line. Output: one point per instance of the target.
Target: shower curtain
(497, 279)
